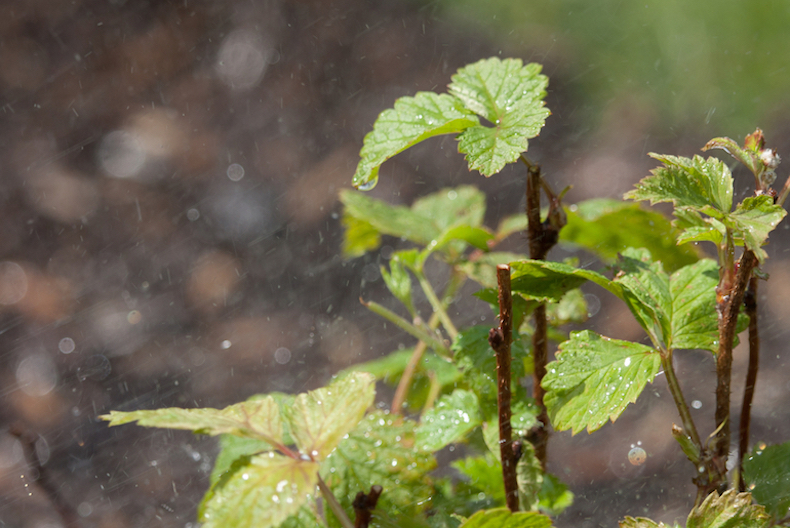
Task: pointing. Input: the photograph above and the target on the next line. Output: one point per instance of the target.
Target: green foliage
(503, 518)
(453, 417)
(731, 509)
(594, 378)
(766, 471)
(506, 93)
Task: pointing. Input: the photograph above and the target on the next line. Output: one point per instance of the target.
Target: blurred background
(170, 226)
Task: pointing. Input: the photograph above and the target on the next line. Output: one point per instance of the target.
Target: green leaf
(483, 269)
(512, 224)
(750, 157)
(607, 227)
(554, 496)
(259, 419)
(766, 471)
(412, 120)
(685, 182)
(259, 492)
(390, 367)
(359, 236)
(395, 220)
(510, 96)
(730, 510)
(594, 378)
(398, 282)
(754, 219)
(529, 476)
(232, 448)
(452, 206)
(379, 451)
(548, 281)
(695, 228)
(572, 308)
(484, 474)
(694, 318)
(503, 518)
(523, 419)
(474, 236)
(646, 292)
(453, 417)
(319, 419)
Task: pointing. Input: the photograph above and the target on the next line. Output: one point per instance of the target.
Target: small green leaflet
(730, 510)
(503, 518)
(319, 419)
(398, 283)
(259, 492)
(259, 419)
(449, 421)
(754, 219)
(685, 182)
(641, 522)
(594, 378)
(510, 96)
(412, 120)
(766, 471)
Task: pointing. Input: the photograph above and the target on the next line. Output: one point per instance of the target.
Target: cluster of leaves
(278, 450)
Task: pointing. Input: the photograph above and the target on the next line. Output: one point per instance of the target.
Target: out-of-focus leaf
(572, 308)
(554, 496)
(548, 281)
(485, 474)
(594, 378)
(412, 120)
(510, 96)
(523, 419)
(452, 206)
(754, 219)
(474, 236)
(259, 419)
(730, 510)
(380, 451)
(449, 421)
(395, 220)
(503, 518)
(512, 224)
(483, 269)
(259, 491)
(766, 471)
(398, 282)
(359, 236)
(693, 182)
(389, 368)
(530, 478)
(319, 419)
(607, 227)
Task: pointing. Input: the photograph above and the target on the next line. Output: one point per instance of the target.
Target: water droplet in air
(66, 345)
(696, 404)
(235, 172)
(637, 456)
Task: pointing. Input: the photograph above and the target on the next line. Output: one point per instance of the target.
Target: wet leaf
(547, 281)
(640, 522)
(259, 491)
(449, 421)
(693, 182)
(594, 378)
(510, 96)
(319, 419)
(749, 156)
(694, 317)
(766, 471)
(380, 451)
(259, 419)
(607, 227)
(730, 510)
(754, 219)
(410, 121)
(524, 417)
(503, 518)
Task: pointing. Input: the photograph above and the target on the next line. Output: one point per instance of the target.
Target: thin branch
(729, 306)
(680, 401)
(750, 304)
(437, 305)
(364, 504)
(500, 338)
(410, 328)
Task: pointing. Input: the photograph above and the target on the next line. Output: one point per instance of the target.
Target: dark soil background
(170, 237)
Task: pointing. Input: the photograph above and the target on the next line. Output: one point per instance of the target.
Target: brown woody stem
(500, 338)
(750, 304)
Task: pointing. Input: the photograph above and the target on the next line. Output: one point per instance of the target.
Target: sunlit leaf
(766, 471)
(389, 368)
(412, 120)
(693, 182)
(694, 317)
(259, 419)
(607, 227)
(483, 269)
(730, 510)
(319, 419)
(594, 378)
(548, 281)
(529, 476)
(484, 474)
(359, 236)
(380, 451)
(748, 157)
(449, 421)
(259, 491)
(452, 206)
(474, 236)
(754, 219)
(503, 518)
(510, 96)
(640, 522)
